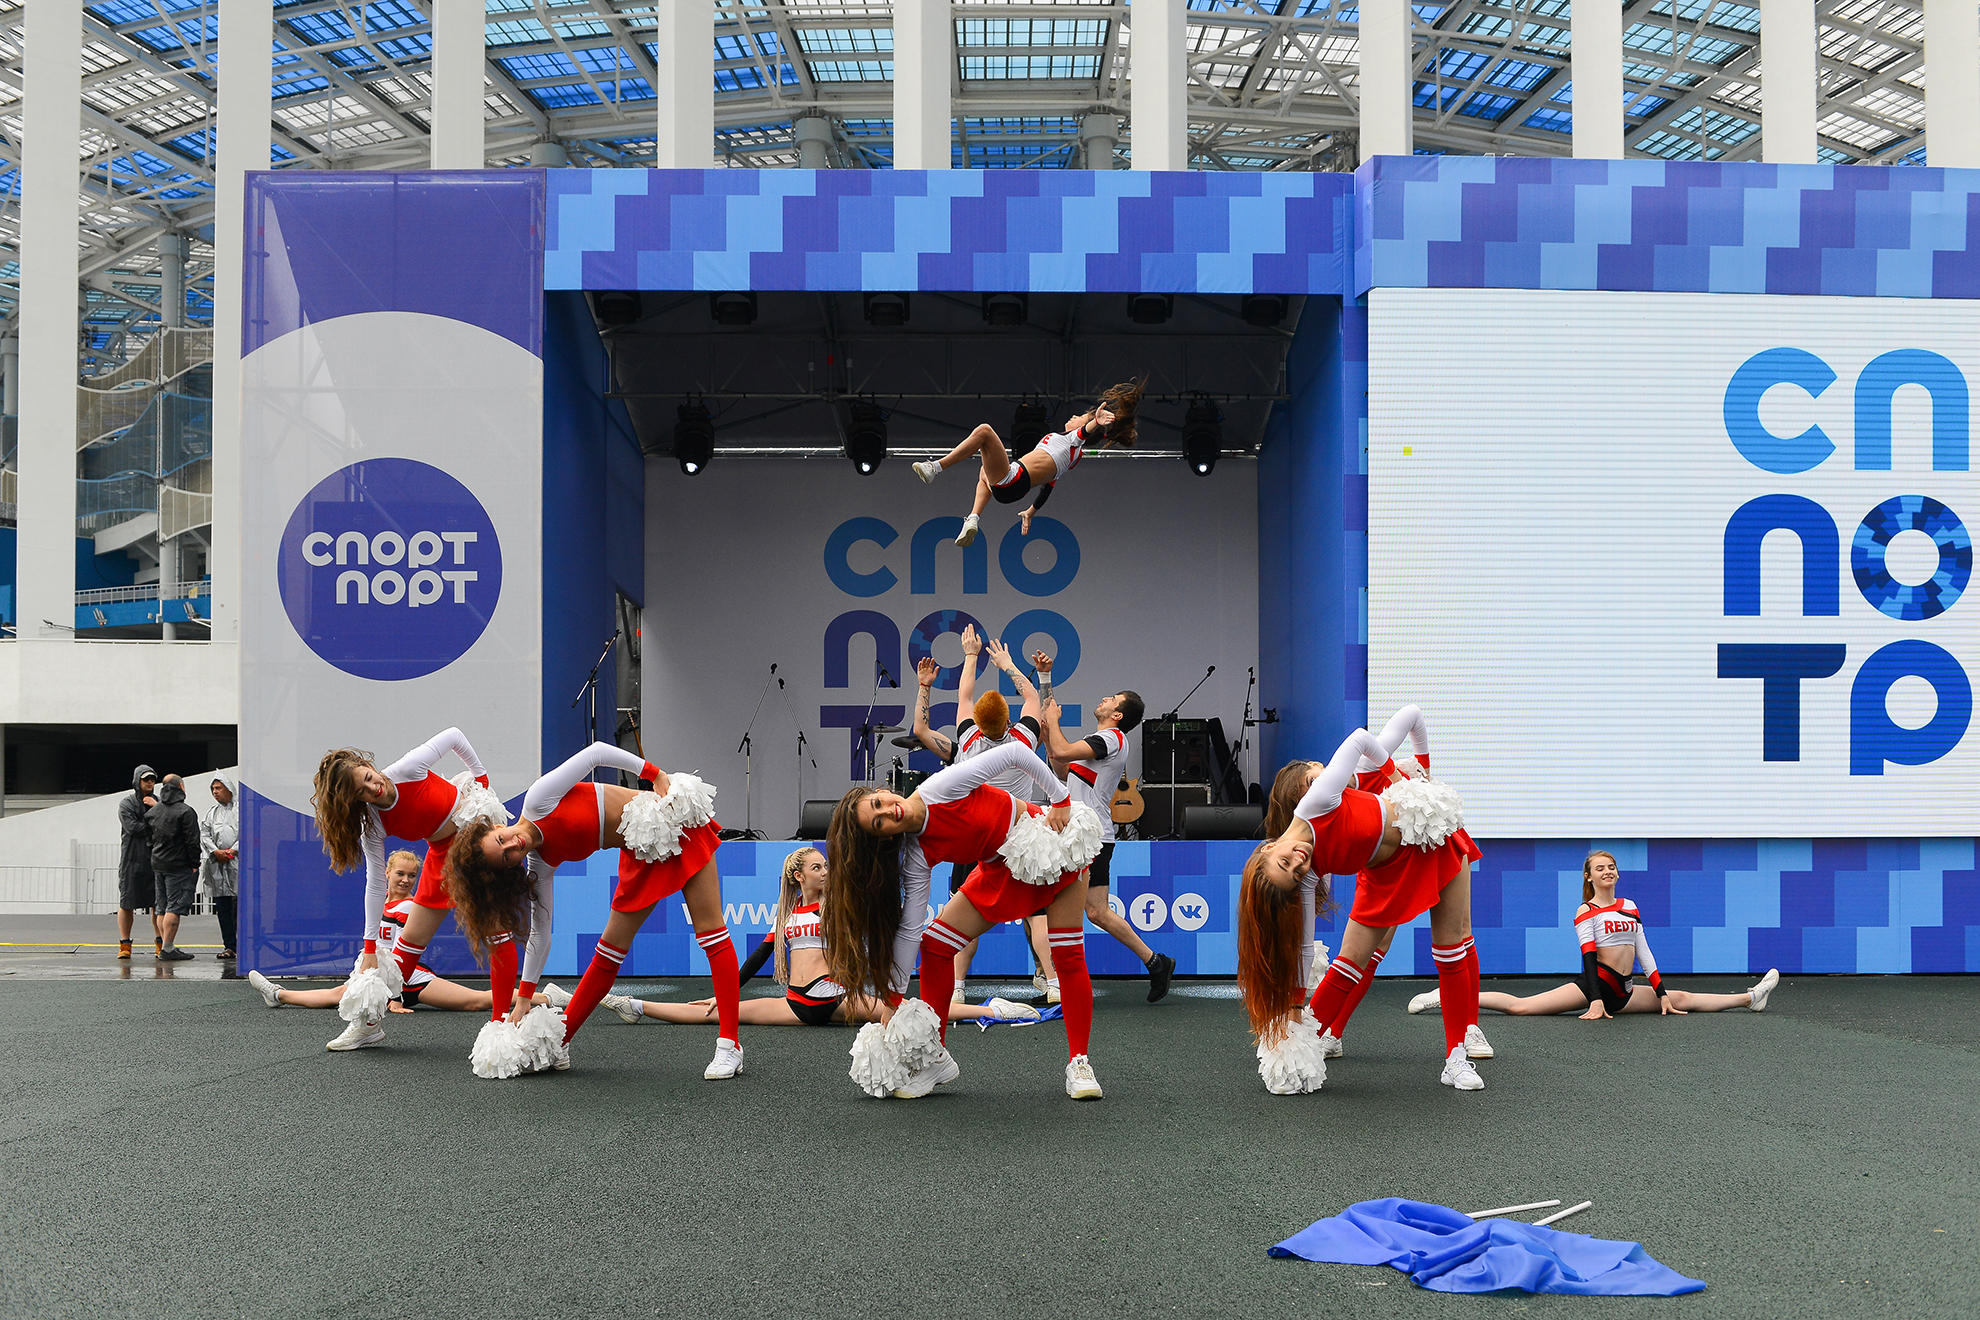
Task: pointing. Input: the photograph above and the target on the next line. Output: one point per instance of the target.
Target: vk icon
(1148, 911)
(1189, 911)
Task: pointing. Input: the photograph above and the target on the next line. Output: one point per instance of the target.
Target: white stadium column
(459, 52)
(51, 128)
(1596, 66)
(1952, 84)
(924, 73)
(247, 41)
(1384, 83)
(685, 65)
(1158, 68)
(1787, 82)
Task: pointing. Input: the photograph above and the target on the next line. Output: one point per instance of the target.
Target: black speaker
(1163, 801)
(816, 818)
(1239, 822)
(1176, 751)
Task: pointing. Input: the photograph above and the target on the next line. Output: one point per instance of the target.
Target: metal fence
(57, 889)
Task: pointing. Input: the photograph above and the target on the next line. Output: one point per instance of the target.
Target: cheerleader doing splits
(1026, 859)
(1613, 944)
(1111, 422)
(358, 807)
(1409, 853)
(666, 839)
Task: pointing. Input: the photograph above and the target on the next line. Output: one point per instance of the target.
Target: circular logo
(1114, 904)
(1189, 911)
(1148, 911)
(1900, 600)
(390, 569)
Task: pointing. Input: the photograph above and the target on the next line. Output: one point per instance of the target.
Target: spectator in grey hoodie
(135, 885)
(175, 857)
(219, 839)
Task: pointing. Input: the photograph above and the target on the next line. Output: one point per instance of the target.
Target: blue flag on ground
(1052, 1014)
(1446, 1251)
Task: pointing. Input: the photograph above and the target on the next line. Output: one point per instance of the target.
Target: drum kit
(899, 778)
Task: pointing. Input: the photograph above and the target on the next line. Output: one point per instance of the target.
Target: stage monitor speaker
(816, 818)
(1163, 801)
(1238, 822)
(1176, 751)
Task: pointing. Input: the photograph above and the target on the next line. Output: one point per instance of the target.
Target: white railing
(179, 511)
(114, 401)
(142, 591)
(72, 889)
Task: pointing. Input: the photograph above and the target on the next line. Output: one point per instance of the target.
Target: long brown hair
(489, 899)
(1588, 862)
(339, 810)
(1122, 400)
(788, 898)
(1287, 790)
(1269, 941)
(862, 900)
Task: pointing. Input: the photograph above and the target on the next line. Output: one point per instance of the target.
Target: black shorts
(173, 891)
(1102, 869)
(815, 1001)
(1613, 994)
(137, 892)
(1014, 489)
(410, 996)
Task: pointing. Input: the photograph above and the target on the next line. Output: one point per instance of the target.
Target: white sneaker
(1458, 1072)
(1038, 982)
(1765, 988)
(273, 997)
(1475, 1044)
(968, 533)
(1426, 1001)
(928, 471)
(1330, 1046)
(359, 1035)
(626, 1007)
(727, 1061)
(1081, 1084)
(558, 997)
(1010, 1010)
(1052, 991)
(958, 996)
(939, 1073)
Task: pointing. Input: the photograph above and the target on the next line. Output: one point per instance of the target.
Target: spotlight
(694, 438)
(1006, 308)
(886, 308)
(866, 437)
(732, 308)
(1202, 437)
(1027, 428)
(618, 306)
(1151, 308)
(1264, 310)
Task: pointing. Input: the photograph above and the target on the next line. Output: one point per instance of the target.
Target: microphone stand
(783, 692)
(748, 750)
(1175, 808)
(866, 734)
(590, 689)
(1266, 715)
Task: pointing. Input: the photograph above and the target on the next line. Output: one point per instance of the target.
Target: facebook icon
(1148, 912)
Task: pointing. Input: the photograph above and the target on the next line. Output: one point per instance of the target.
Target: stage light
(1006, 308)
(618, 306)
(886, 308)
(1202, 437)
(694, 438)
(1151, 308)
(1264, 310)
(1028, 427)
(737, 308)
(866, 437)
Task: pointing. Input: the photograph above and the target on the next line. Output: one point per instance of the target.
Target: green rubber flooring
(174, 1148)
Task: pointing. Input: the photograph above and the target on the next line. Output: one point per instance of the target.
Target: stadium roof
(1272, 87)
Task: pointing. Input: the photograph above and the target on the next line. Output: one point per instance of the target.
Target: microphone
(773, 669)
(1211, 670)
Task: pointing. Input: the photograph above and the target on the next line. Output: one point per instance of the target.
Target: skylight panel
(1030, 32)
(852, 70)
(516, 32)
(845, 41)
(1549, 120)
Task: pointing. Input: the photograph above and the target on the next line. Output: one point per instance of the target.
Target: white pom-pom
(1411, 767)
(368, 993)
(499, 1051)
(876, 1068)
(915, 1035)
(1322, 956)
(651, 824)
(541, 1033)
(1296, 1063)
(1080, 839)
(1427, 811)
(476, 801)
(1037, 855)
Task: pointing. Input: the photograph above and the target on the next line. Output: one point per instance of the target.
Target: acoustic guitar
(1127, 805)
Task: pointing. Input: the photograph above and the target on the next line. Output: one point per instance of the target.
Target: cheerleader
(1410, 855)
(1613, 945)
(1025, 859)
(796, 948)
(358, 807)
(667, 841)
(1111, 422)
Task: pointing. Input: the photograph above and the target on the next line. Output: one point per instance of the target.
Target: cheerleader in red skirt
(667, 840)
(1410, 854)
(358, 807)
(1022, 859)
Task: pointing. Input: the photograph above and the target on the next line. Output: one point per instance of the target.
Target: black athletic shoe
(175, 955)
(1160, 968)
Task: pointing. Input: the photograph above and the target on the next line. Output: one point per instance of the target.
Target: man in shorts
(175, 857)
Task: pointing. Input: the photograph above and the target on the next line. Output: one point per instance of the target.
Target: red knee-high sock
(1075, 984)
(593, 986)
(721, 951)
(410, 954)
(939, 944)
(502, 969)
(1471, 978)
(1330, 1001)
(1457, 992)
(1338, 1027)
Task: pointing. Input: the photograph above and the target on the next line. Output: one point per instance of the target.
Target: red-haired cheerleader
(667, 840)
(1025, 859)
(1410, 854)
(359, 807)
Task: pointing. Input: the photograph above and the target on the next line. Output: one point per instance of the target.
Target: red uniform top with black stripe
(1617, 925)
(1093, 782)
(972, 741)
(421, 804)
